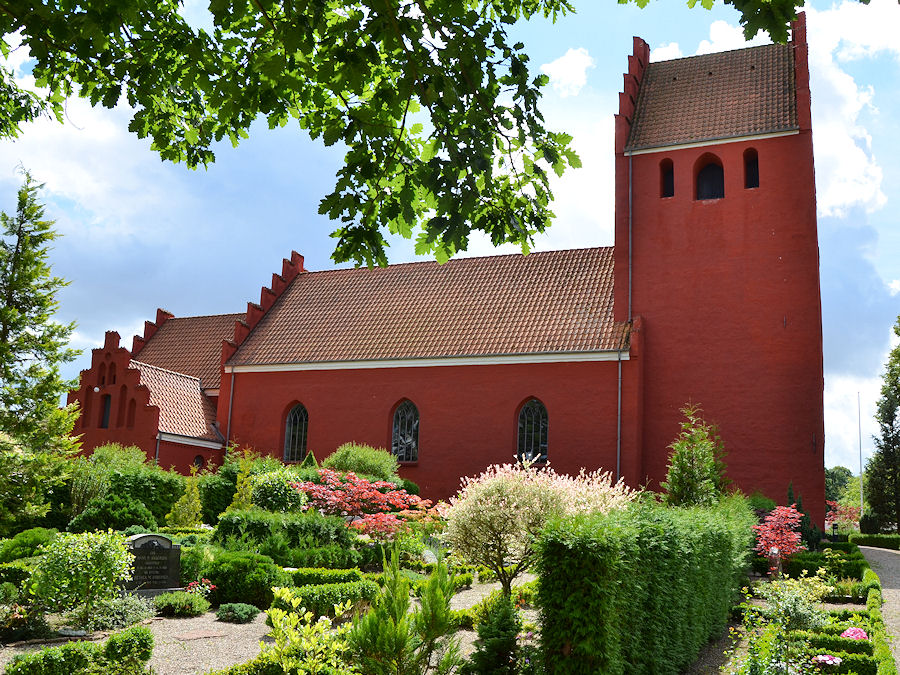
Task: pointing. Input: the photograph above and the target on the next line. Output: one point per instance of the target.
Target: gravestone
(157, 564)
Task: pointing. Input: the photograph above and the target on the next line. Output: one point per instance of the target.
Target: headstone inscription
(157, 563)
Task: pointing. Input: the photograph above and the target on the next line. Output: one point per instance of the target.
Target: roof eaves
(710, 139)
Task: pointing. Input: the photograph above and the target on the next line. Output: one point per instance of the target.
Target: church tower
(716, 259)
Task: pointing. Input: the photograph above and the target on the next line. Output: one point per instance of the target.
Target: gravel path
(886, 564)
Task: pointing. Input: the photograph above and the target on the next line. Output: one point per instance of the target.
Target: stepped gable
(550, 302)
(715, 96)
(190, 345)
(184, 409)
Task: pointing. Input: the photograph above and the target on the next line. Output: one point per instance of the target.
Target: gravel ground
(886, 564)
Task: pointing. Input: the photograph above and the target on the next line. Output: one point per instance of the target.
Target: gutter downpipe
(156, 457)
(230, 402)
(619, 351)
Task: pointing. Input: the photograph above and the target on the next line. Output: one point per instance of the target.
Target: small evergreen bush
(310, 576)
(180, 604)
(134, 644)
(696, 473)
(25, 544)
(237, 612)
(272, 491)
(187, 511)
(152, 486)
(112, 511)
(363, 459)
(119, 612)
(495, 647)
(335, 557)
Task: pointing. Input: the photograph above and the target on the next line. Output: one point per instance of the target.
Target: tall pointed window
(751, 168)
(533, 425)
(666, 178)
(405, 432)
(295, 434)
(106, 406)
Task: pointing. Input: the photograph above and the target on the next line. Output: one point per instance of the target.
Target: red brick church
(583, 357)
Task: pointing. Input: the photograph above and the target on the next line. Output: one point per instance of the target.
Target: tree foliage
(432, 99)
(696, 473)
(882, 487)
(836, 479)
(32, 344)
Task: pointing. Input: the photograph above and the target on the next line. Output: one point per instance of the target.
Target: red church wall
(468, 414)
(728, 290)
(132, 420)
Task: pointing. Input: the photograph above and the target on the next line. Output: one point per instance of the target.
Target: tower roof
(715, 96)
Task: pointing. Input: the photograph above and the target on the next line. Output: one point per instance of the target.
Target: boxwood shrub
(237, 612)
(241, 576)
(306, 576)
(125, 651)
(180, 604)
(113, 511)
(639, 590)
(305, 530)
(155, 488)
(320, 599)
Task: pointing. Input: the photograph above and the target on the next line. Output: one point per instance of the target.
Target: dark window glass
(106, 403)
(666, 178)
(751, 169)
(711, 182)
(199, 462)
(405, 433)
(533, 425)
(295, 434)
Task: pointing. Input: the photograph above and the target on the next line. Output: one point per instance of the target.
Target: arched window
(533, 425)
(710, 178)
(405, 432)
(751, 168)
(102, 372)
(120, 416)
(131, 406)
(105, 407)
(112, 373)
(199, 462)
(666, 178)
(295, 434)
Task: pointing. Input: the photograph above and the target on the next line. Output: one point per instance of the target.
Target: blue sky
(140, 233)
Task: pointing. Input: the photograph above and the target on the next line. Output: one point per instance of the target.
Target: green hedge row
(854, 566)
(321, 599)
(891, 541)
(310, 576)
(305, 530)
(124, 652)
(639, 590)
(16, 573)
(842, 546)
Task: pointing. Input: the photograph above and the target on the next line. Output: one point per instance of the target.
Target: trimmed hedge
(264, 664)
(854, 566)
(155, 488)
(824, 643)
(321, 599)
(842, 546)
(305, 576)
(305, 530)
(891, 541)
(333, 556)
(639, 590)
(241, 576)
(124, 652)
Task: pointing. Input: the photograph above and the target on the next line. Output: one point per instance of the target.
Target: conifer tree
(32, 344)
(696, 473)
(882, 485)
(188, 510)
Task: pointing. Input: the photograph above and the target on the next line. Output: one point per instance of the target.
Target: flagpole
(859, 427)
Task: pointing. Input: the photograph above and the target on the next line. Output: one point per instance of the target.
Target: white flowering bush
(496, 517)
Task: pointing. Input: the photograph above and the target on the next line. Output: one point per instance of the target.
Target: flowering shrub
(796, 604)
(846, 517)
(380, 526)
(349, 495)
(496, 517)
(780, 531)
(827, 660)
(855, 633)
(202, 588)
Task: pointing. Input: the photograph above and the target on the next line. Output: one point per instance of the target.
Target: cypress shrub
(639, 590)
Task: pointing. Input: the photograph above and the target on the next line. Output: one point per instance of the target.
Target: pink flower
(855, 633)
(827, 659)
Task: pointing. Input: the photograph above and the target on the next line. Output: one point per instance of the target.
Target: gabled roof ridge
(459, 260)
(206, 316)
(722, 53)
(143, 364)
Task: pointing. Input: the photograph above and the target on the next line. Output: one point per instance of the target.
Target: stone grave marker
(157, 564)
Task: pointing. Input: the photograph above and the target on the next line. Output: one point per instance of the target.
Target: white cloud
(842, 424)
(894, 286)
(568, 73)
(724, 37)
(666, 52)
(847, 171)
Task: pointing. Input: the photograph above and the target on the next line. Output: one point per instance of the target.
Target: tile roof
(724, 95)
(183, 408)
(556, 301)
(191, 345)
